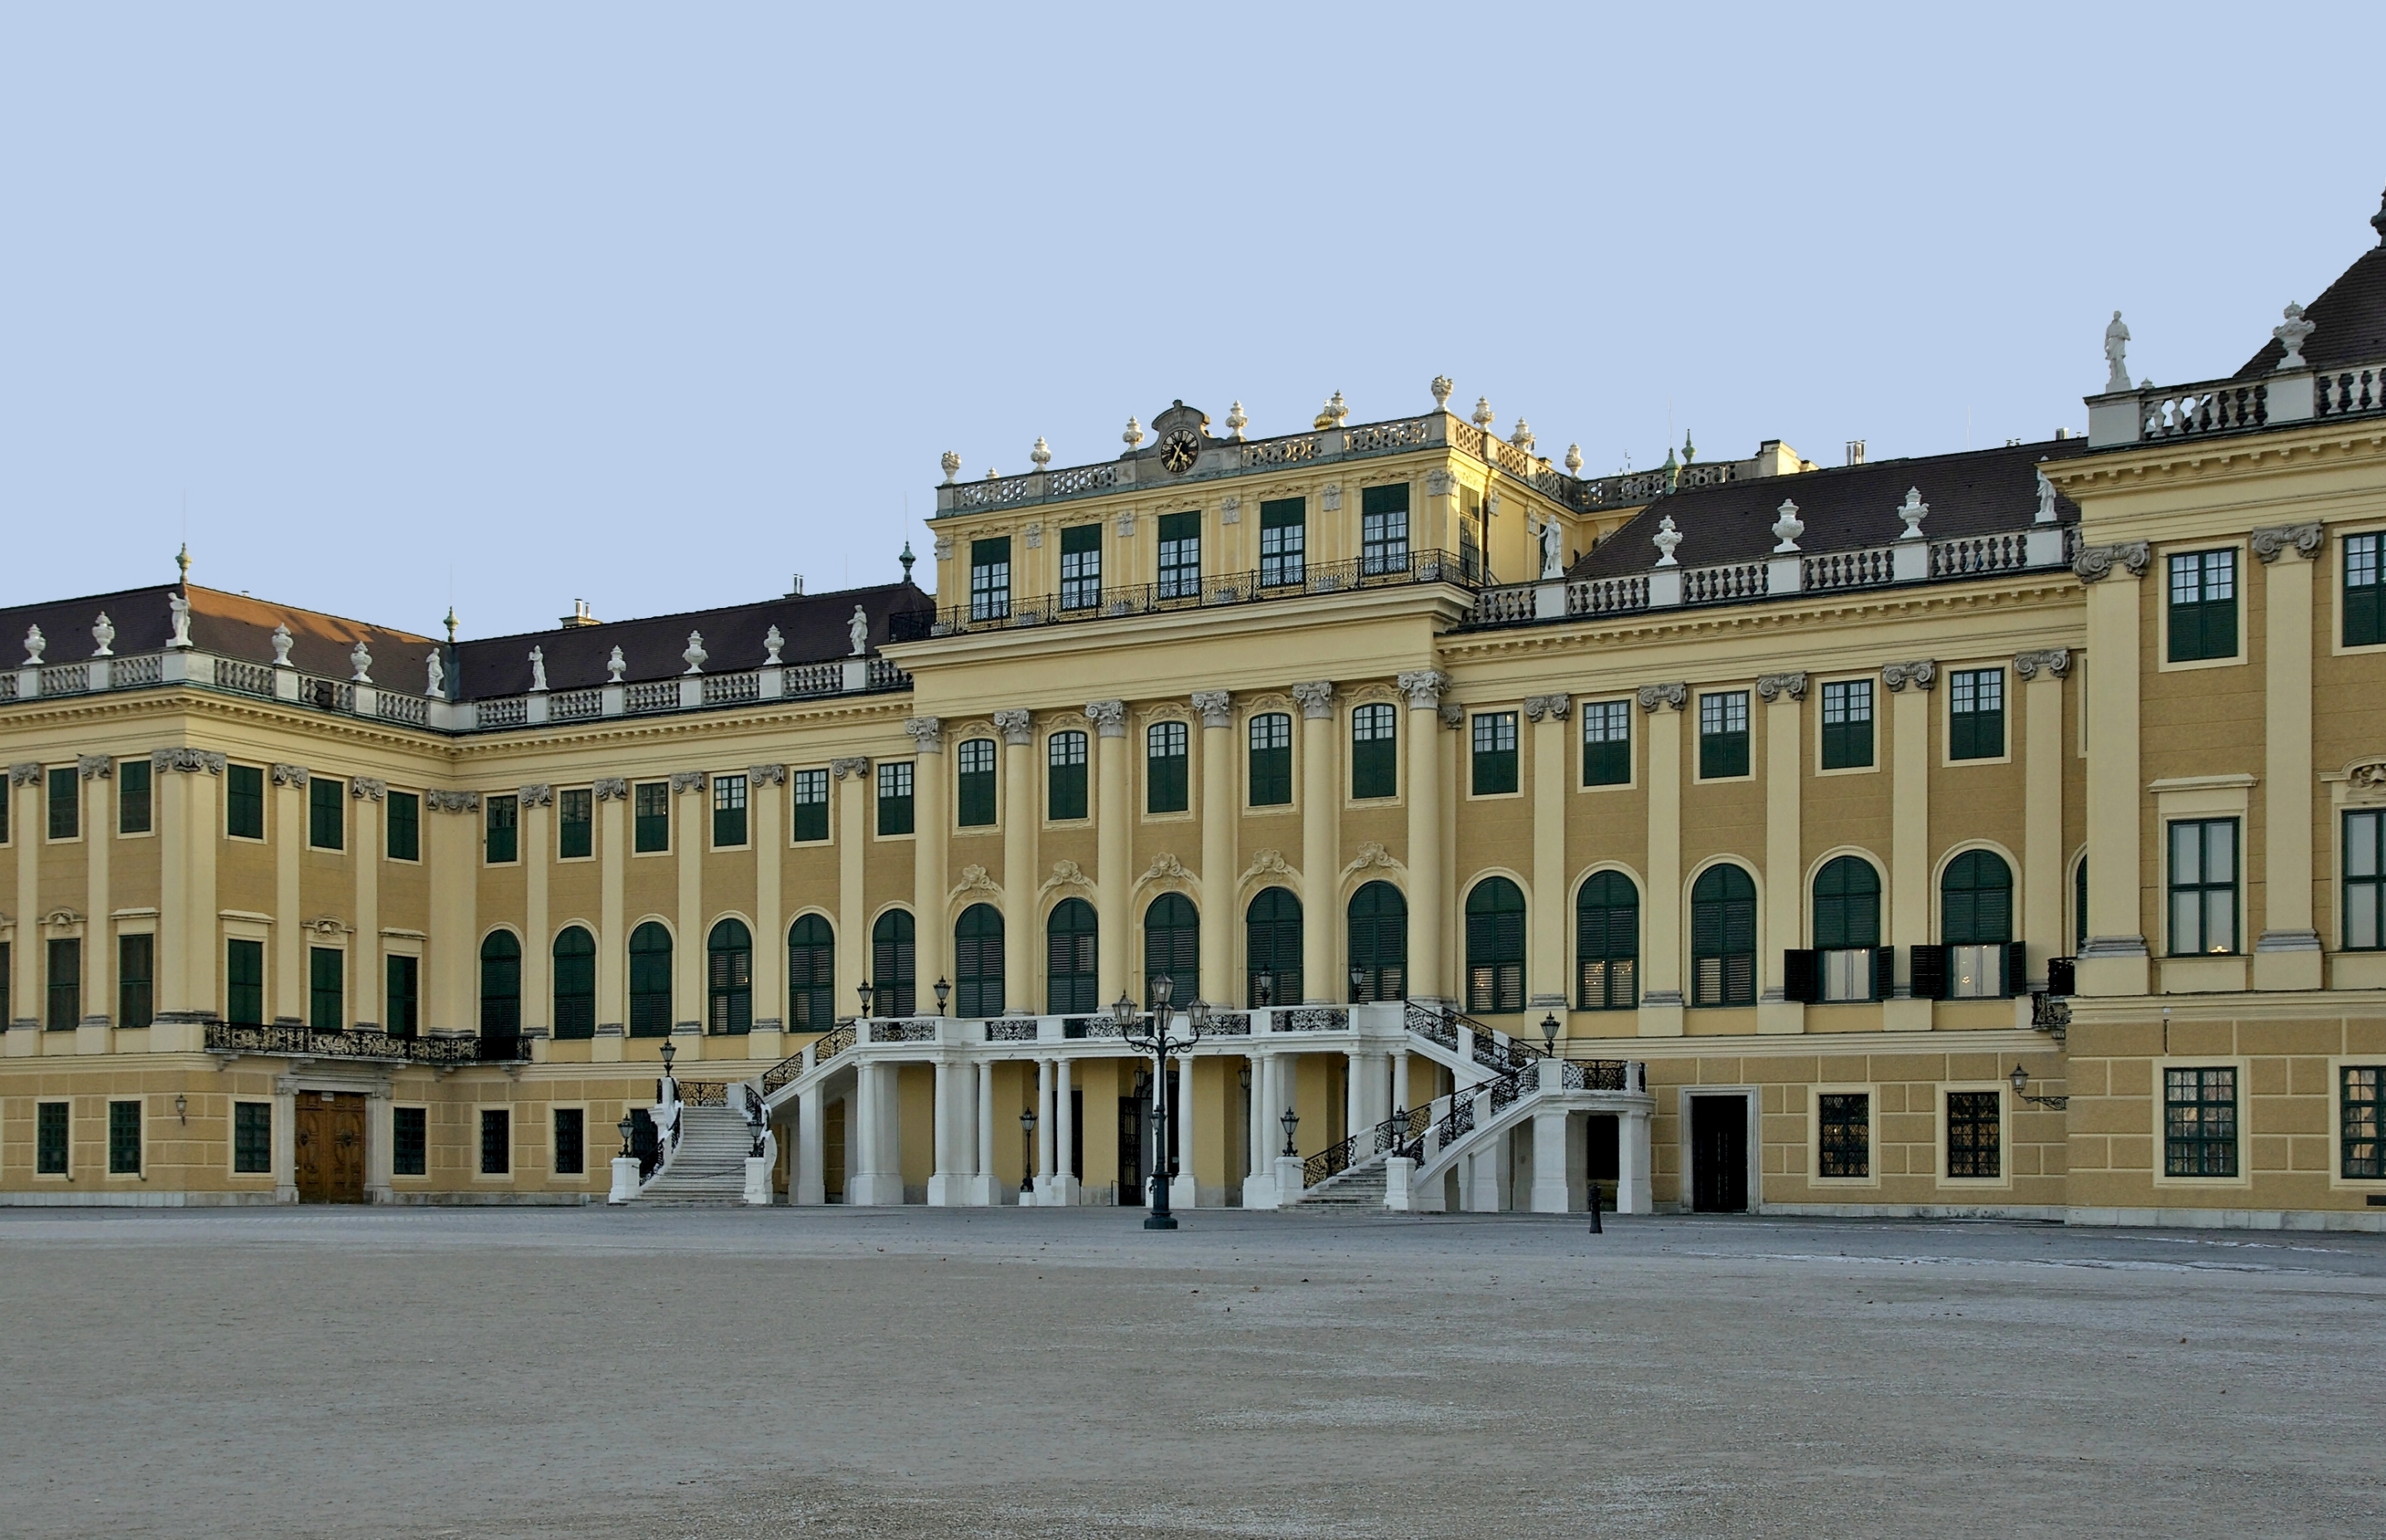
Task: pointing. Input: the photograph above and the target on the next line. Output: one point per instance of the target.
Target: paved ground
(1008, 1372)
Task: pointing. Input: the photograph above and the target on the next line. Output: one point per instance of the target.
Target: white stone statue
(435, 673)
(1553, 553)
(615, 667)
(858, 629)
(104, 634)
(180, 607)
(1442, 387)
(361, 662)
(282, 640)
(952, 464)
(1666, 540)
(1484, 416)
(1041, 456)
(2045, 500)
(1788, 528)
(771, 643)
(2117, 355)
(1913, 511)
(34, 642)
(666, 1112)
(2292, 334)
(538, 668)
(695, 655)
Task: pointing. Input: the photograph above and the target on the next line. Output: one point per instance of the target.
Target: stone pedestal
(625, 1180)
(757, 1179)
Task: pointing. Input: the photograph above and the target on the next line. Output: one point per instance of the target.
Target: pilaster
(24, 831)
(931, 831)
(1662, 708)
(1021, 941)
(1428, 793)
(613, 794)
(533, 848)
(2114, 961)
(2287, 955)
(850, 778)
(1218, 865)
(368, 839)
(1909, 686)
(691, 801)
(766, 801)
(1546, 951)
(1113, 832)
(289, 985)
(99, 932)
(1784, 696)
(2042, 675)
(452, 863)
(1321, 843)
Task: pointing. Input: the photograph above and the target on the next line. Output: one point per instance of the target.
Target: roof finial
(182, 563)
(907, 558)
(2378, 221)
(451, 625)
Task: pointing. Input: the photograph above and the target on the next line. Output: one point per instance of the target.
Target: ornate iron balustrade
(1596, 1074)
(1229, 1023)
(1313, 1019)
(307, 1042)
(1332, 1160)
(703, 1093)
(903, 1030)
(1437, 1024)
(1076, 1028)
(1011, 1029)
(781, 1073)
(834, 1044)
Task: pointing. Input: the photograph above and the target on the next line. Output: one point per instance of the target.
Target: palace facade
(1996, 833)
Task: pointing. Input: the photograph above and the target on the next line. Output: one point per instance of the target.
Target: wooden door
(1719, 1155)
(331, 1149)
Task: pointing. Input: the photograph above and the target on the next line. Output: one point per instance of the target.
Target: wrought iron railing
(835, 1043)
(904, 1030)
(1332, 1160)
(1313, 1019)
(309, 1042)
(704, 1093)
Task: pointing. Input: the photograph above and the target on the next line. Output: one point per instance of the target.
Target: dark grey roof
(232, 625)
(1847, 508)
(2348, 319)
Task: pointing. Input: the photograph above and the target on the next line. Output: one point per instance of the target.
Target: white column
(982, 1182)
(1020, 942)
(875, 1182)
(1321, 845)
(931, 829)
(1354, 1092)
(1185, 1191)
(1218, 918)
(809, 1185)
(944, 1182)
(1632, 1194)
(1549, 1163)
(1064, 1174)
(1044, 1132)
(1399, 1081)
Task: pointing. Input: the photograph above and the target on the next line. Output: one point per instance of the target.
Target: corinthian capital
(1017, 725)
(1108, 717)
(1424, 687)
(1217, 706)
(1316, 697)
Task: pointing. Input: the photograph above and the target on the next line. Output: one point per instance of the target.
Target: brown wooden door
(330, 1147)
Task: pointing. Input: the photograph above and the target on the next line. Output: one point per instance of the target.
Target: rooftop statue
(2116, 354)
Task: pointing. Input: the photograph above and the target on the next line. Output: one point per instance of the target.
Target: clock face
(1178, 449)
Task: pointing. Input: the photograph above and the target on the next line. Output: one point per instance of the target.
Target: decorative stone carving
(1268, 863)
(1217, 706)
(1133, 437)
(1913, 511)
(1442, 387)
(773, 644)
(30, 775)
(1230, 512)
(290, 775)
(1033, 536)
(1922, 673)
(536, 796)
(856, 766)
(1438, 483)
(612, 788)
(1452, 714)
(538, 668)
(1017, 725)
(1668, 540)
(1068, 874)
(180, 608)
(186, 761)
(1522, 436)
(2292, 334)
(1786, 529)
(1041, 456)
(684, 782)
(1556, 708)
(34, 642)
(1108, 717)
(1329, 497)
(1236, 421)
(1164, 866)
(1124, 525)
(1372, 854)
(760, 776)
(452, 802)
(366, 788)
(1651, 697)
(1552, 548)
(2116, 356)
(975, 879)
(1484, 414)
(1491, 505)
(361, 662)
(2369, 775)
(282, 640)
(1316, 697)
(325, 926)
(694, 653)
(2045, 514)
(615, 667)
(927, 733)
(952, 461)
(103, 637)
(944, 547)
(1422, 687)
(2095, 563)
(2268, 542)
(1771, 686)
(434, 675)
(95, 767)
(2055, 660)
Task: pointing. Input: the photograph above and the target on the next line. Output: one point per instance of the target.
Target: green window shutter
(1180, 556)
(571, 1141)
(326, 988)
(245, 802)
(1270, 765)
(1272, 944)
(50, 1145)
(894, 952)
(977, 962)
(810, 794)
(1070, 959)
(65, 984)
(1375, 751)
(1607, 743)
(650, 981)
(895, 797)
(65, 801)
(812, 974)
(1495, 946)
(1378, 920)
(575, 984)
(1847, 904)
(1165, 756)
(2202, 621)
(245, 983)
(650, 817)
(1065, 777)
(990, 579)
(974, 759)
(2365, 596)
(1284, 542)
(728, 979)
(123, 1138)
(1384, 530)
(1723, 735)
(1607, 942)
(500, 985)
(405, 817)
(133, 810)
(1171, 947)
(1081, 567)
(575, 824)
(1847, 724)
(1493, 763)
(502, 816)
(410, 1145)
(728, 811)
(252, 1137)
(136, 976)
(401, 1015)
(326, 817)
(496, 1142)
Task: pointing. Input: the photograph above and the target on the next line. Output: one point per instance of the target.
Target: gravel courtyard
(1040, 1373)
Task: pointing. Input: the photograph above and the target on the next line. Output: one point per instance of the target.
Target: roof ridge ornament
(952, 461)
(1788, 528)
(1913, 511)
(1442, 386)
(1666, 539)
(1041, 456)
(2292, 334)
(1484, 414)
(1236, 421)
(1133, 435)
(2378, 221)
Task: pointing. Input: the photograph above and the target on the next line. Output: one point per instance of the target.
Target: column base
(2288, 959)
(945, 1191)
(1288, 1185)
(2113, 964)
(1259, 1190)
(757, 1179)
(982, 1192)
(1398, 1169)
(1059, 1191)
(1181, 1192)
(625, 1179)
(875, 1190)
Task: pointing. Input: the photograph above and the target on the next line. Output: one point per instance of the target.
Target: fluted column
(1661, 952)
(2114, 961)
(1546, 950)
(1218, 918)
(1020, 942)
(1321, 841)
(1784, 696)
(2041, 849)
(931, 829)
(2287, 955)
(1428, 795)
(1113, 843)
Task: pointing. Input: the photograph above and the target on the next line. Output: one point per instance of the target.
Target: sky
(502, 306)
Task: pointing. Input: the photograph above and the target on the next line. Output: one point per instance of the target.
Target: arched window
(1976, 924)
(1495, 946)
(977, 962)
(1068, 977)
(1171, 947)
(728, 979)
(1272, 949)
(1723, 938)
(894, 946)
(2079, 908)
(575, 984)
(812, 974)
(1379, 944)
(1847, 928)
(501, 986)
(1607, 942)
(650, 981)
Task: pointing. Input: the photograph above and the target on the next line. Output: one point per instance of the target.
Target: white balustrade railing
(815, 679)
(884, 675)
(1865, 568)
(249, 679)
(1416, 433)
(2341, 393)
(1739, 580)
(733, 689)
(1281, 451)
(997, 493)
(652, 695)
(1081, 477)
(411, 711)
(129, 673)
(1496, 606)
(1607, 595)
(2207, 408)
(572, 706)
(1973, 554)
(7, 686)
(65, 679)
(509, 711)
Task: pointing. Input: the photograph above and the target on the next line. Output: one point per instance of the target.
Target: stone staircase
(708, 1166)
(1361, 1187)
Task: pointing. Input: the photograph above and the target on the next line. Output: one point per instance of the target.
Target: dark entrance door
(1604, 1153)
(1719, 1155)
(1134, 1112)
(330, 1147)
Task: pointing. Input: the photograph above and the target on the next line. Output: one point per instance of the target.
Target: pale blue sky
(657, 304)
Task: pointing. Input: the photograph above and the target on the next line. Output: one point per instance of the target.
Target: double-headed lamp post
(1159, 1043)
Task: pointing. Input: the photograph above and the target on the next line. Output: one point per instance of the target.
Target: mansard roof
(1846, 508)
(233, 625)
(2348, 319)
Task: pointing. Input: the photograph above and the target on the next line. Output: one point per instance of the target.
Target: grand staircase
(707, 1167)
(1361, 1188)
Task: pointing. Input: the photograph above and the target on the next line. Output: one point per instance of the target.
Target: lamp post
(1158, 1042)
(2020, 1081)
(943, 992)
(627, 1128)
(1358, 984)
(669, 1054)
(1550, 1030)
(1026, 1156)
(1264, 987)
(1290, 1120)
(862, 989)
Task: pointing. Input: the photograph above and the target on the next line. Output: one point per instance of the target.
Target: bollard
(1597, 1203)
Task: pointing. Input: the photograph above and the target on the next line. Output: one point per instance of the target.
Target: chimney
(579, 615)
(796, 592)
(1855, 451)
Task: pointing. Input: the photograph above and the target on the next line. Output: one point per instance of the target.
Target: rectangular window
(123, 1138)
(136, 980)
(2202, 886)
(895, 797)
(252, 1138)
(1976, 714)
(64, 804)
(1844, 1146)
(245, 983)
(2199, 1122)
(976, 767)
(1272, 759)
(1375, 751)
(504, 817)
(1065, 776)
(327, 988)
(990, 579)
(728, 811)
(1081, 567)
(405, 817)
(327, 820)
(133, 812)
(1284, 542)
(1164, 759)
(245, 802)
(1607, 743)
(400, 1016)
(575, 824)
(2365, 599)
(1847, 724)
(1493, 770)
(1384, 530)
(409, 1142)
(571, 1141)
(1972, 1134)
(650, 817)
(66, 984)
(496, 1140)
(1723, 735)
(1180, 556)
(2365, 881)
(50, 1125)
(811, 804)
(2361, 1122)
(2202, 606)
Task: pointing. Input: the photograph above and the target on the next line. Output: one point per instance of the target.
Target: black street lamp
(944, 992)
(862, 989)
(1265, 986)
(1550, 1030)
(1157, 1041)
(1358, 984)
(1026, 1154)
(1290, 1120)
(669, 1054)
(626, 1126)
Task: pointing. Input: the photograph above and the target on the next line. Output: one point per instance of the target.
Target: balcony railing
(224, 1037)
(2212, 407)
